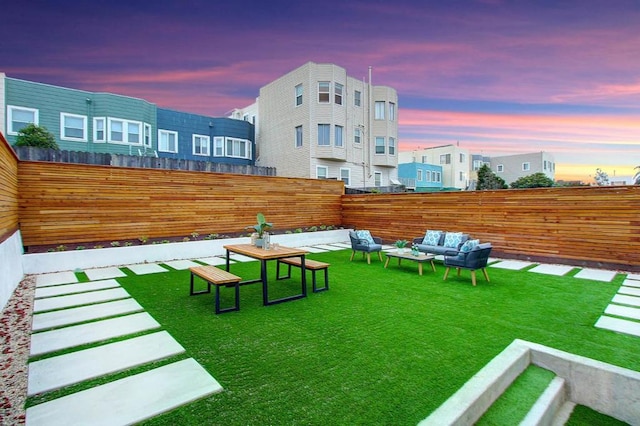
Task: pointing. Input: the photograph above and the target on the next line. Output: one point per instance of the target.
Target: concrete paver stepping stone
(342, 245)
(215, 261)
(240, 258)
(514, 265)
(56, 278)
(626, 300)
(623, 311)
(619, 325)
(596, 274)
(328, 247)
(146, 268)
(630, 291)
(558, 270)
(631, 283)
(314, 249)
(60, 290)
(128, 400)
(64, 370)
(68, 337)
(70, 316)
(60, 302)
(633, 277)
(181, 264)
(104, 273)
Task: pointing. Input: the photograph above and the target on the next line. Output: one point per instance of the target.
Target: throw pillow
(431, 238)
(452, 239)
(365, 235)
(469, 245)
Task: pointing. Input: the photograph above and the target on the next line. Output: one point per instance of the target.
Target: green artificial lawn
(382, 346)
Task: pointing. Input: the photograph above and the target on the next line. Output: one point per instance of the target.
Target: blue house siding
(186, 125)
(420, 176)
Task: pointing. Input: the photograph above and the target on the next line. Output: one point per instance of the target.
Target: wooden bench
(309, 264)
(217, 277)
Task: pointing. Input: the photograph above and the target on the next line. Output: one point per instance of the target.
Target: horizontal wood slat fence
(63, 203)
(8, 190)
(590, 226)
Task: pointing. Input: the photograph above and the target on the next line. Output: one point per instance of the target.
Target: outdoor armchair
(362, 241)
(472, 259)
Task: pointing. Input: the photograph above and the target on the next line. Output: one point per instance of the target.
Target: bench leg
(192, 291)
(446, 273)
(235, 307)
(278, 277)
(326, 281)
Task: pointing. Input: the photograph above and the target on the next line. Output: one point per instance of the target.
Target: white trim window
(133, 132)
(147, 135)
(437, 177)
(124, 131)
(322, 172)
(324, 134)
(218, 146)
(500, 168)
(377, 178)
(167, 141)
(345, 176)
(200, 144)
(357, 98)
(238, 148)
(419, 175)
(339, 135)
(357, 135)
(298, 92)
(99, 129)
(379, 110)
(73, 127)
(392, 146)
(445, 158)
(20, 117)
(526, 166)
(392, 111)
(337, 93)
(116, 130)
(298, 136)
(324, 91)
(427, 176)
(380, 148)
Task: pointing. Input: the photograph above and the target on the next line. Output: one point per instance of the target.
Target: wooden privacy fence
(64, 203)
(592, 226)
(8, 190)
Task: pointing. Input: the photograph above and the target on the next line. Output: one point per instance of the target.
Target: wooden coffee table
(422, 258)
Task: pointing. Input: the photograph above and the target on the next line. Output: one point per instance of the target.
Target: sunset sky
(499, 77)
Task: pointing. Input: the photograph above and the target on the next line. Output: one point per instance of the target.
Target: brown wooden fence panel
(597, 226)
(8, 190)
(68, 203)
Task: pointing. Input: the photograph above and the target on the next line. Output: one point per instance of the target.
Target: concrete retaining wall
(11, 270)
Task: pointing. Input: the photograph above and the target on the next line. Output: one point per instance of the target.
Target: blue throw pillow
(469, 245)
(452, 239)
(365, 235)
(431, 238)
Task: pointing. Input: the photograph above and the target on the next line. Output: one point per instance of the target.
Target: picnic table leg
(263, 275)
(304, 276)
(420, 268)
(228, 260)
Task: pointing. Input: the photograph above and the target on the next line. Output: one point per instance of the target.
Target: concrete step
(547, 406)
(67, 289)
(71, 316)
(60, 302)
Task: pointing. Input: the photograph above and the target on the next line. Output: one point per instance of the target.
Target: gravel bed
(15, 339)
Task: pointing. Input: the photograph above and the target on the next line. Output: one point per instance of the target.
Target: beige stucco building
(318, 122)
(512, 167)
(455, 162)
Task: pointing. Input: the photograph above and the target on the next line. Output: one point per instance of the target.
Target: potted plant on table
(401, 244)
(260, 229)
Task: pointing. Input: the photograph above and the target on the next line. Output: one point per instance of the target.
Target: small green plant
(313, 229)
(401, 243)
(98, 246)
(195, 235)
(51, 250)
(261, 226)
(288, 232)
(128, 244)
(61, 247)
(115, 243)
(186, 239)
(143, 239)
(298, 231)
(211, 237)
(38, 136)
(165, 241)
(323, 227)
(79, 247)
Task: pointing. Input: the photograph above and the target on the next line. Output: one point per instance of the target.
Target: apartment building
(318, 122)
(512, 167)
(420, 177)
(455, 163)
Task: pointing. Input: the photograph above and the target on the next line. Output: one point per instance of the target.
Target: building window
(357, 135)
(324, 92)
(544, 165)
(116, 132)
(357, 98)
(377, 176)
(477, 164)
(339, 130)
(299, 95)
(20, 117)
(461, 157)
(218, 146)
(445, 159)
(167, 141)
(419, 175)
(461, 177)
(380, 145)
(392, 111)
(437, 177)
(500, 168)
(123, 131)
(337, 93)
(324, 136)
(200, 145)
(147, 135)
(345, 176)
(379, 110)
(98, 129)
(392, 146)
(238, 148)
(526, 167)
(73, 127)
(322, 172)
(298, 136)
(427, 176)
(133, 132)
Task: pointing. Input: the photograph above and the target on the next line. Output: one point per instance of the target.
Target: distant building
(420, 177)
(318, 122)
(512, 167)
(454, 161)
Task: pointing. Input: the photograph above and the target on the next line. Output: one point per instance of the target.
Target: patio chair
(473, 259)
(363, 241)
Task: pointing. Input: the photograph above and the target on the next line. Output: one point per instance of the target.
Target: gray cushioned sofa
(441, 242)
